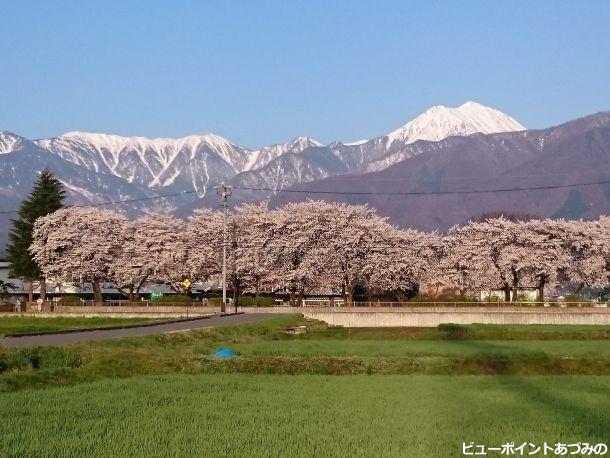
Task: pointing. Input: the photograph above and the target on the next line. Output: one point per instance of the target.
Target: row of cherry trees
(310, 245)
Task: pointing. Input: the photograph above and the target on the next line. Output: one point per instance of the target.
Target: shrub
(453, 330)
(40, 358)
(176, 298)
(422, 299)
(261, 301)
(247, 301)
(70, 300)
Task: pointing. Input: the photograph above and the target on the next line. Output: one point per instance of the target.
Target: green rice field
(329, 392)
(307, 415)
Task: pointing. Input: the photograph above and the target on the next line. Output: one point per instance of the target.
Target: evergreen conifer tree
(47, 196)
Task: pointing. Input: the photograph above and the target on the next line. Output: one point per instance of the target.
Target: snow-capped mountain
(263, 156)
(195, 162)
(20, 162)
(101, 167)
(10, 142)
(574, 152)
(440, 122)
(286, 170)
(435, 124)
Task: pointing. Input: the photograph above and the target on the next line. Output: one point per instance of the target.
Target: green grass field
(246, 415)
(19, 324)
(326, 347)
(330, 392)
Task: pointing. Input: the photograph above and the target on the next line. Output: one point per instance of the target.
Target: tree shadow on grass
(593, 426)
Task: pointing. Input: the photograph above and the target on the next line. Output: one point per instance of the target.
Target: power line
(342, 193)
(127, 201)
(424, 193)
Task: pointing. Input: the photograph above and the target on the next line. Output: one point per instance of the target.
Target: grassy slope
(244, 415)
(266, 348)
(18, 324)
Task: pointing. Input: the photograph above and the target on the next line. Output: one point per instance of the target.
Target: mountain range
(464, 148)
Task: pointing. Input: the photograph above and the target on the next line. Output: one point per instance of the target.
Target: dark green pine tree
(47, 196)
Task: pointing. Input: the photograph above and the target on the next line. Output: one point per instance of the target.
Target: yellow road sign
(186, 283)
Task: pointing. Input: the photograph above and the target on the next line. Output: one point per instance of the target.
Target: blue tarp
(225, 353)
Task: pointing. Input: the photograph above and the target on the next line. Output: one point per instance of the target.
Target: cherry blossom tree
(603, 229)
(251, 232)
(539, 252)
(319, 243)
(309, 245)
(362, 248)
(475, 253)
(294, 251)
(512, 254)
(588, 245)
(74, 244)
(154, 249)
(249, 229)
(409, 258)
(204, 232)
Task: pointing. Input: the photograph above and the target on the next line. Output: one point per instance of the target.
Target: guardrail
(117, 305)
(415, 304)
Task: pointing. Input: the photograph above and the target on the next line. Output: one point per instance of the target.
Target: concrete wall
(420, 318)
(369, 317)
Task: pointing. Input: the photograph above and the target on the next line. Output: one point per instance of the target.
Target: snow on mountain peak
(439, 122)
(112, 142)
(9, 141)
(266, 154)
(356, 143)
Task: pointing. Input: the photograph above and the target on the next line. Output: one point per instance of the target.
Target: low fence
(453, 304)
(502, 304)
(308, 303)
(433, 316)
(126, 310)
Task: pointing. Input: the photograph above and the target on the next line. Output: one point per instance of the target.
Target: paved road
(61, 339)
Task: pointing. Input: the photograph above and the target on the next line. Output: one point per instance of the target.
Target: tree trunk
(30, 290)
(540, 295)
(300, 297)
(139, 287)
(236, 293)
(97, 291)
(293, 302)
(43, 289)
(506, 289)
(541, 285)
(350, 296)
(515, 293)
(515, 285)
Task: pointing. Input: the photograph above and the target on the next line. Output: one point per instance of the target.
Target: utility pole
(224, 191)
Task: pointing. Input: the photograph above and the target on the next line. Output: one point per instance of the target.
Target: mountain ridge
(128, 168)
(577, 151)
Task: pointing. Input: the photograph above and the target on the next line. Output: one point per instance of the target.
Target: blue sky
(261, 72)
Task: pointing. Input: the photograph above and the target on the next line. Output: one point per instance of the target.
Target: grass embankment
(265, 347)
(22, 324)
(304, 415)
